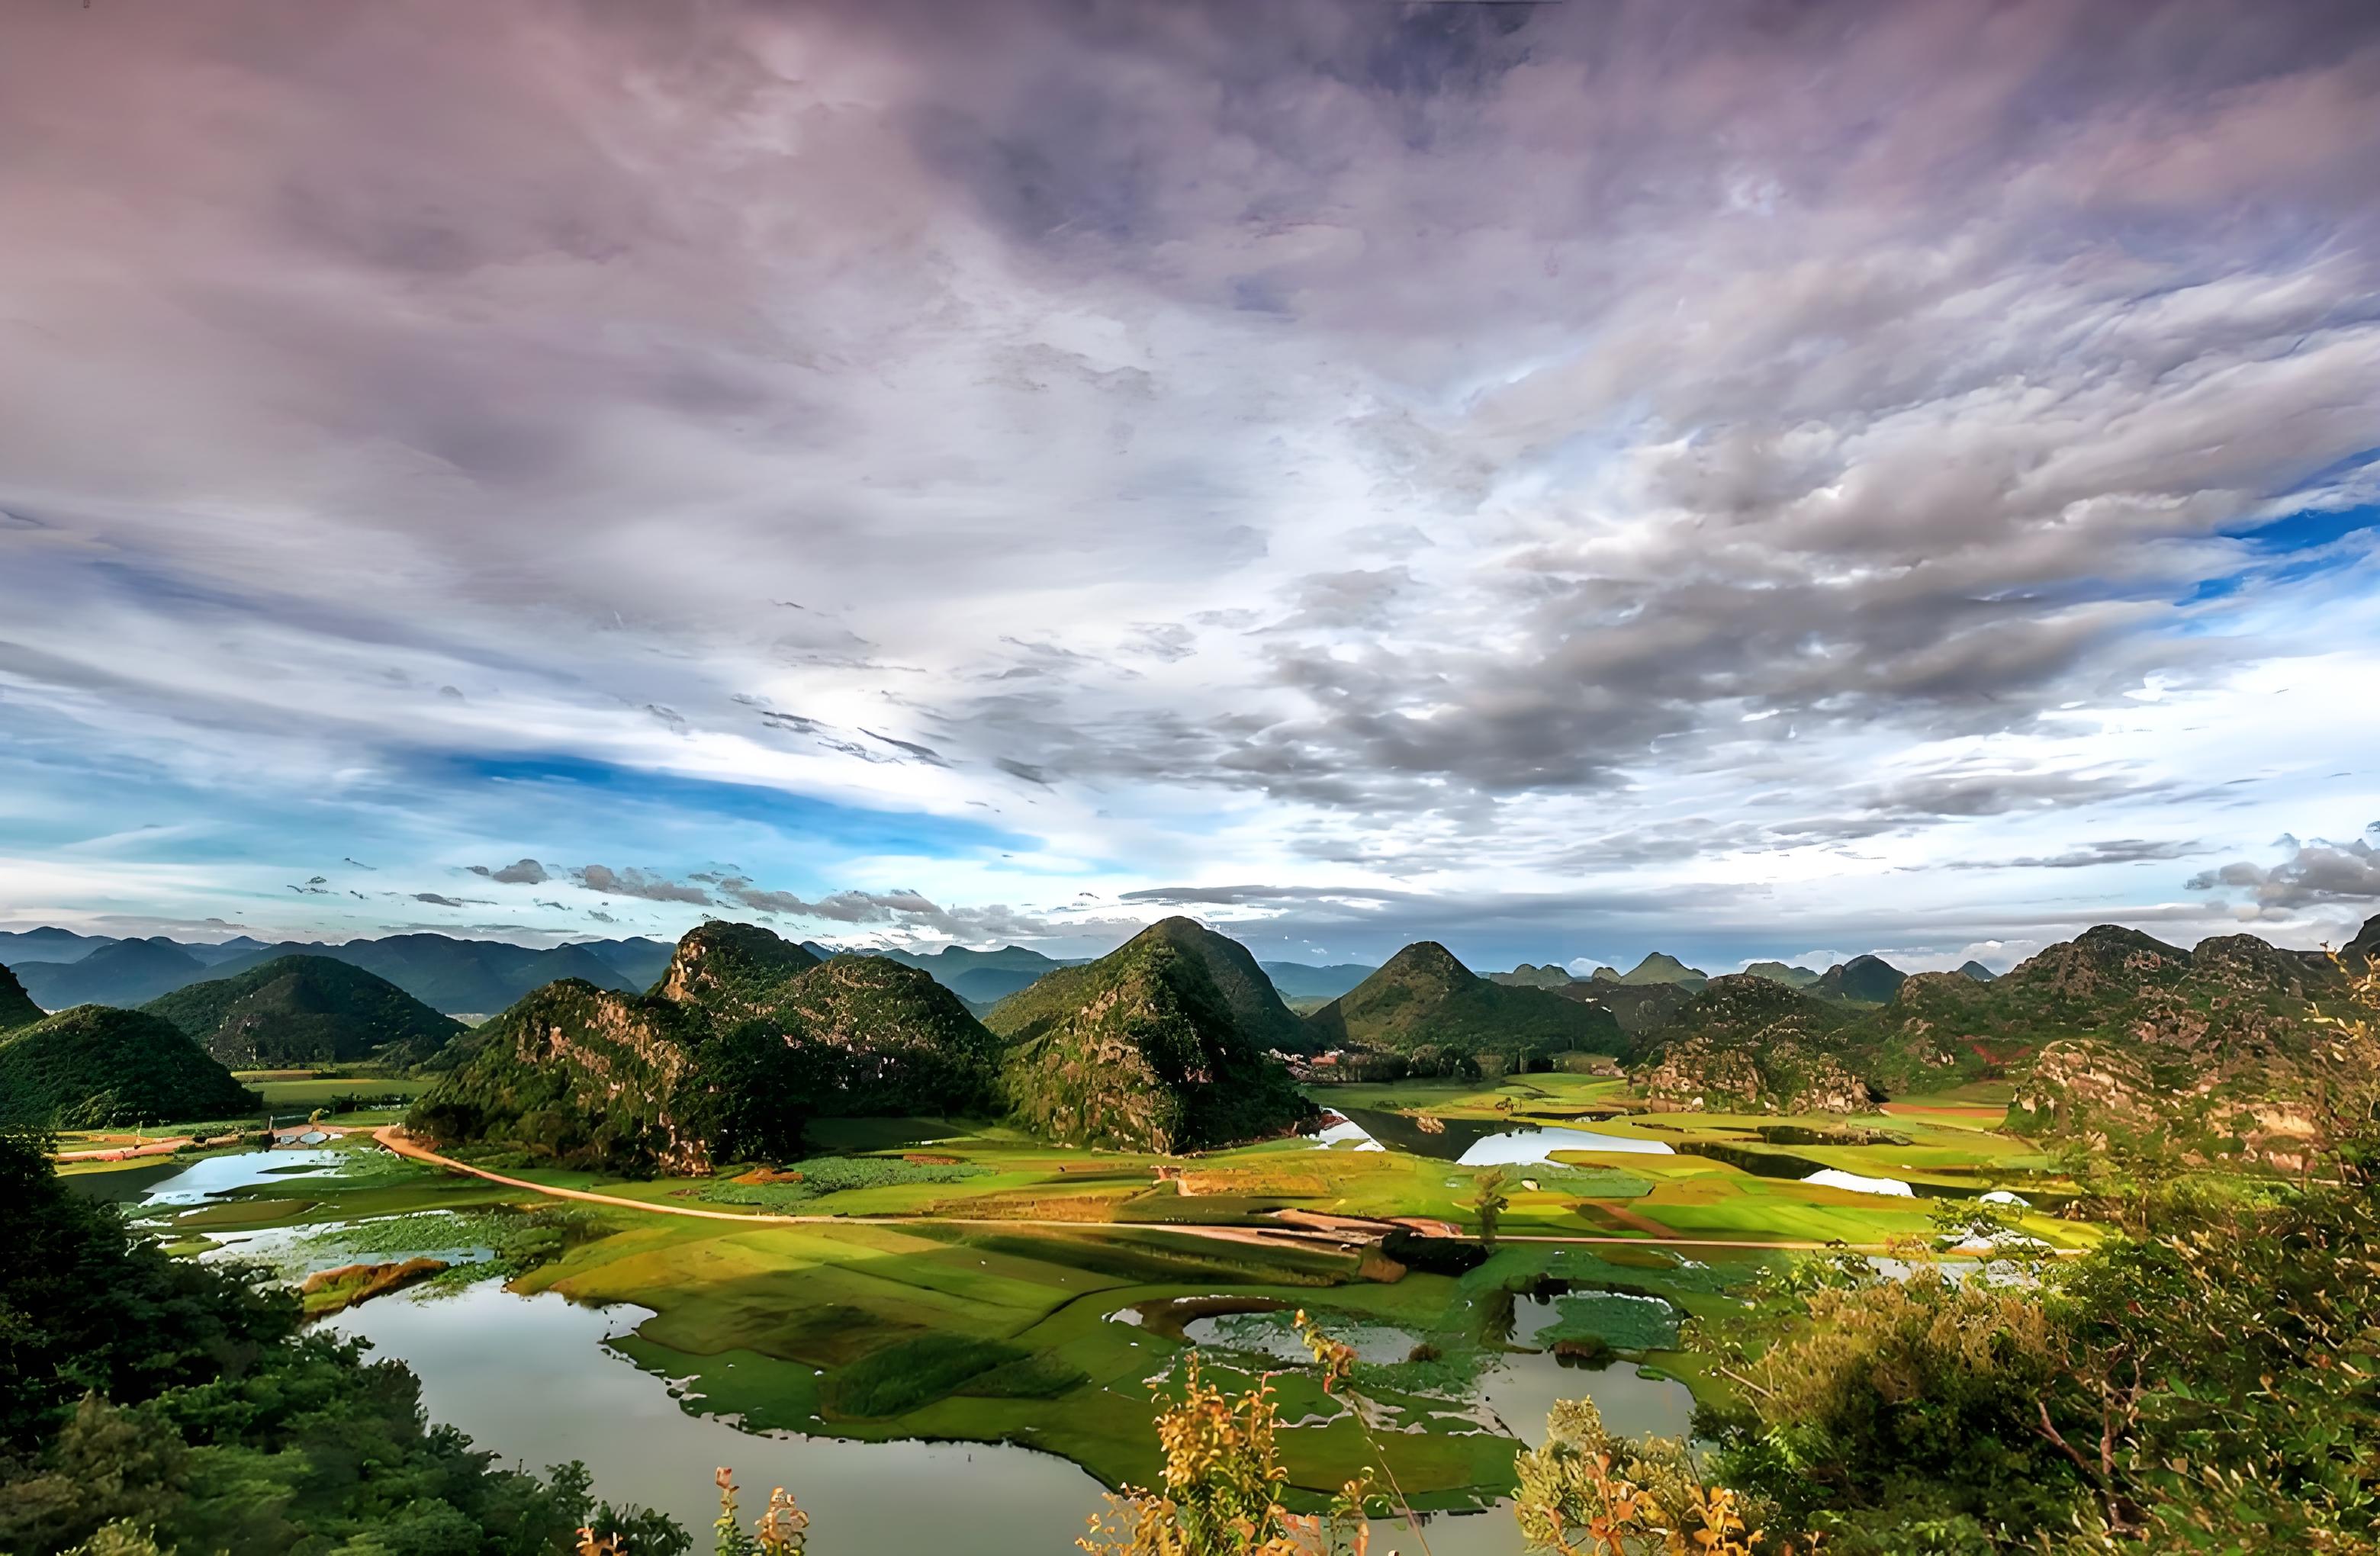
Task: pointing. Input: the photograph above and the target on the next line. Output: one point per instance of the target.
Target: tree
(1489, 1201)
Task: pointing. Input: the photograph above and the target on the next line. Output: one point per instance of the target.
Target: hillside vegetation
(744, 1037)
(1149, 1048)
(305, 1010)
(1422, 996)
(2113, 1035)
(95, 1067)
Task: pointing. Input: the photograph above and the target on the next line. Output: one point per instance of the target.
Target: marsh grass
(909, 1373)
(836, 1175)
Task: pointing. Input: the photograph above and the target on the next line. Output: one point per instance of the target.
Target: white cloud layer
(1555, 479)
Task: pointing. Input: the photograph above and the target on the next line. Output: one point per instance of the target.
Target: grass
(284, 1092)
(944, 1329)
(908, 1373)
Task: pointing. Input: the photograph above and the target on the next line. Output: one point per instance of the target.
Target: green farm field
(948, 1280)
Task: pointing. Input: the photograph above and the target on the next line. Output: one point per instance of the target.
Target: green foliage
(2207, 1386)
(746, 1038)
(1042, 1375)
(305, 1010)
(823, 1175)
(579, 1076)
(1487, 1203)
(1621, 1321)
(1140, 1051)
(909, 1373)
(728, 968)
(887, 1039)
(147, 1403)
(1422, 996)
(94, 1066)
(516, 1241)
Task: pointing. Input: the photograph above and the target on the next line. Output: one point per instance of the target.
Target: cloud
(2314, 873)
(521, 872)
(435, 899)
(1450, 451)
(2116, 851)
(634, 883)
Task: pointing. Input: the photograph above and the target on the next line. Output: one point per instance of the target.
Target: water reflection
(528, 1378)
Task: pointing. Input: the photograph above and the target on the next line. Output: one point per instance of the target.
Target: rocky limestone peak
(727, 967)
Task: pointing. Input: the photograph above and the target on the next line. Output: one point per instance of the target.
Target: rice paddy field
(942, 1279)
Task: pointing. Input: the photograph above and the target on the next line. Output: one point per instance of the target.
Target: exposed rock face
(1748, 1044)
(1775, 1070)
(730, 968)
(585, 1076)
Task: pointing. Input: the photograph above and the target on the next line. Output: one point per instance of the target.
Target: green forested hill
(124, 972)
(1424, 996)
(305, 1010)
(730, 969)
(596, 1078)
(94, 1066)
(2216, 1049)
(17, 1007)
(1143, 1050)
(745, 1039)
(891, 1039)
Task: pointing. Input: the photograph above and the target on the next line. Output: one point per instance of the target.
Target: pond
(215, 1175)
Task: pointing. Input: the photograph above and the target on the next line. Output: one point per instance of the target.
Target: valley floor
(957, 1280)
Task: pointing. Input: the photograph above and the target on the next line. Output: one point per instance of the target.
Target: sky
(1740, 480)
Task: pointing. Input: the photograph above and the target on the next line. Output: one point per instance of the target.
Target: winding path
(396, 1139)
